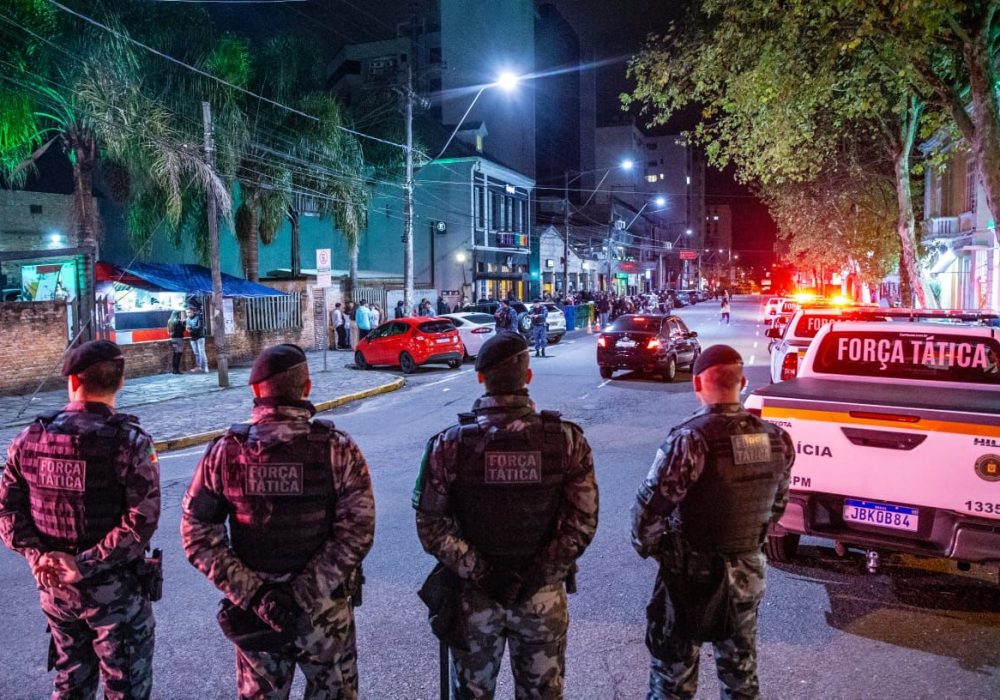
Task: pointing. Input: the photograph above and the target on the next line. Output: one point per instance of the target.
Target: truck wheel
(781, 549)
(606, 372)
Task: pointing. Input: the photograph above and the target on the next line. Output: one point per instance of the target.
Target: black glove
(501, 586)
(276, 606)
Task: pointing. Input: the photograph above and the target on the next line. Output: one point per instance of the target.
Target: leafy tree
(783, 83)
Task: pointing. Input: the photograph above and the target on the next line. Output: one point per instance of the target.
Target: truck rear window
(811, 324)
(939, 357)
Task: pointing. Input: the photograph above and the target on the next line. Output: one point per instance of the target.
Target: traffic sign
(323, 262)
(689, 255)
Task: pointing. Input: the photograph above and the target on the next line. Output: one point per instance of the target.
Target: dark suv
(647, 343)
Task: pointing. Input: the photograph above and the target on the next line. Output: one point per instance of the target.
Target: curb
(183, 441)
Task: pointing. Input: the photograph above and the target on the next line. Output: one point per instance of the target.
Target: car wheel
(555, 339)
(407, 363)
(670, 371)
(465, 353)
(525, 325)
(360, 362)
(606, 372)
(781, 548)
(454, 364)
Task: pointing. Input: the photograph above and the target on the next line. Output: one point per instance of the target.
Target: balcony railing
(943, 226)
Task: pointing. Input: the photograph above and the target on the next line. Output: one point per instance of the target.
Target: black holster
(150, 573)
(354, 586)
(442, 594)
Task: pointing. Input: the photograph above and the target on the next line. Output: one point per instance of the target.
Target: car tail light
(653, 344)
(755, 412)
(482, 330)
(899, 418)
(790, 366)
(602, 341)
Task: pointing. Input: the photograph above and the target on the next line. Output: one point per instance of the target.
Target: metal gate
(373, 295)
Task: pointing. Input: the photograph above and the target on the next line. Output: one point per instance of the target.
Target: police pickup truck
(789, 342)
(897, 433)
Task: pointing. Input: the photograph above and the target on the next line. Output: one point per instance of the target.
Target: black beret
(500, 347)
(716, 355)
(276, 359)
(88, 354)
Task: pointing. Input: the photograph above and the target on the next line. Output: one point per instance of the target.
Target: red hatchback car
(411, 342)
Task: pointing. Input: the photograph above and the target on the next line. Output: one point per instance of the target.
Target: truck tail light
(653, 344)
(602, 341)
(790, 366)
(755, 412)
(871, 415)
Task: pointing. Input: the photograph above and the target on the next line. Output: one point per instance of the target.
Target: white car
(790, 341)
(474, 328)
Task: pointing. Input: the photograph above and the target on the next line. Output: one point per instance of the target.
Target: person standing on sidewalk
(196, 329)
(506, 537)
(297, 495)
(175, 328)
(80, 500)
(364, 320)
(717, 482)
(339, 322)
(724, 310)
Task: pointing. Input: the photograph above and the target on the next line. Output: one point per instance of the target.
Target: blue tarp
(189, 279)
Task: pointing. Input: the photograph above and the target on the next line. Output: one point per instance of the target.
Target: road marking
(751, 359)
(446, 379)
(604, 383)
(585, 396)
(185, 453)
(447, 388)
(755, 345)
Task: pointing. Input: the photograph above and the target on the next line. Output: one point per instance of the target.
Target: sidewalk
(179, 410)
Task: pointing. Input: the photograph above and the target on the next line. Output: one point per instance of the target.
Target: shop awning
(187, 279)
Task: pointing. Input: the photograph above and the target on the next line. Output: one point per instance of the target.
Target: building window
(651, 178)
(517, 216)
(479, 143)
(970, 184)
(508, 213)
(480, 205)
(496, 212)
(35, 208)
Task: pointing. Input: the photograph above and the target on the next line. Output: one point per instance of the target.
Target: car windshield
(640, 324)
(478, 318)
(441, 326)
(941, 357)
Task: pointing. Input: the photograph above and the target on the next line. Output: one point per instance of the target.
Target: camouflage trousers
(102, 629)
(326, 655)
(536, 633)
(674, 665)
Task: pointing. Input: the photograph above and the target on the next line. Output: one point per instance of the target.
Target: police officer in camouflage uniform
(507, 501)
(298, 498)
(80, 500)
(716, 484)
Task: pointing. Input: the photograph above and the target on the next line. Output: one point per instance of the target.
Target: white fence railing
(274, 313)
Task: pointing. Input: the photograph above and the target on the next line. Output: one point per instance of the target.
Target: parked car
(648, 343)
(555, 322)
(410, 343)
(682, 299)
(692, 295)
(474, 329)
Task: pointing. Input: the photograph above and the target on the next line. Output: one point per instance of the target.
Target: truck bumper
(942, 533)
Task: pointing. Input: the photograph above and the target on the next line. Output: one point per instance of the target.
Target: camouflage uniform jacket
(206, 544)
(677, 465)
(123, 544)
(438, 529)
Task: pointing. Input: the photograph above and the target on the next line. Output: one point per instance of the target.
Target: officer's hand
(276, 606)
(503, 587)
(45, 573)
(64, 565)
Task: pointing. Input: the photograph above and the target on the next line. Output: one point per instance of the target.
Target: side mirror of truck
(773, 332)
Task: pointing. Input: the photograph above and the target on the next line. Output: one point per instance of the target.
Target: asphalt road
(827, 630)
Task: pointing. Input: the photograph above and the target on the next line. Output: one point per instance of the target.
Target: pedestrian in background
(724, 311)
(363, 317)
(716, 484)
(442, 306)
(376, 315)
(504, 317)
(506, 539)
(175, 329)
(352, 313)
(539, 327)
(288, 565)
(339, 322)
(196, 329)
(400, 311)
(80, 500)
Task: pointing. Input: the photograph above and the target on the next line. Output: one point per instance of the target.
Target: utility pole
(408, 190)
(565, 284)
(218, 313)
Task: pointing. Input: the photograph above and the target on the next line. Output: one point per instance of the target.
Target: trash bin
(570, 312)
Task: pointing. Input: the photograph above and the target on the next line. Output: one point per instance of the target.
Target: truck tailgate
(904, 445)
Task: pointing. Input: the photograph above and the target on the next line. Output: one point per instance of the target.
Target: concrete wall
(35, 338)
(20, 229)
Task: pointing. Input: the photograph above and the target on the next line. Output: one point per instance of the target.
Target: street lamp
(506, 81)
(460, 258)
(659, 201)
(626, 165)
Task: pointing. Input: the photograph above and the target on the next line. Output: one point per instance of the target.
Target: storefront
(135, 302)
(43, 276)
